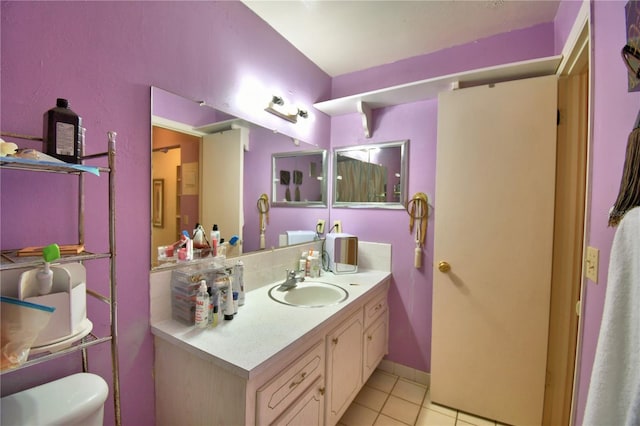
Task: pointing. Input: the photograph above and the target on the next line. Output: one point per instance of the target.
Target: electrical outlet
(320, 226)
(591, 264)
(337, 226)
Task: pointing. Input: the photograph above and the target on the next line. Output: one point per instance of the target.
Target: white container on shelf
(68, 295)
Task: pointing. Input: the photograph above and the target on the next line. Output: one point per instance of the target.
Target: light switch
(591, 264)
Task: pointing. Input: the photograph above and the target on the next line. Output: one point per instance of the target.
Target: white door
(494, 212)
(222, 169)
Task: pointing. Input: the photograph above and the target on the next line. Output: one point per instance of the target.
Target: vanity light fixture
(277, 107)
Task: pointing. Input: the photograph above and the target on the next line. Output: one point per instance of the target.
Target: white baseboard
(405, 372)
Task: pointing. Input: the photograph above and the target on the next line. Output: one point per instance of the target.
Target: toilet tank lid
(57, 402)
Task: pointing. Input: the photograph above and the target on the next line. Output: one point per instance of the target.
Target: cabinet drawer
(307, 410)
(374, 308)
(278, 394)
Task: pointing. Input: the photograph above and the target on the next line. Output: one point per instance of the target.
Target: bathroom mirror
(299, 179)
(196, 147)
(371, 176)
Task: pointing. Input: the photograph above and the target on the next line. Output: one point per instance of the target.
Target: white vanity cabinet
(344, 366)
(310, 382)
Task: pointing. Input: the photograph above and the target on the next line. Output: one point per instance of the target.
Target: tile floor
(389, 400)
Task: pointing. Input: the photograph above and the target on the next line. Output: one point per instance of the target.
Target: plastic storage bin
(184, 287)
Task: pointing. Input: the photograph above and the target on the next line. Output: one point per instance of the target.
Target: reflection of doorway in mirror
(165, 165)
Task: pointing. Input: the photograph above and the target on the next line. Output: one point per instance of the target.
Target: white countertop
(262, 328)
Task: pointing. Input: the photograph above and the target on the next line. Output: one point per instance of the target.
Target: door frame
(570, 242)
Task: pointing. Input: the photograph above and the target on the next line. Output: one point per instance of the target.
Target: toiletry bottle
(228, 301)
(222, 248)
(62, 133)
(307, 267)
(189, 249)
(315, 266)
(210, 310)
(202, 306)
(238, 282)
(215, 239)
(222, 285)
(215, 300)
(198, 237)
(235, 302)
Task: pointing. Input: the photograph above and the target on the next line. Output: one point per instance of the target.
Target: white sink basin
(310, 294)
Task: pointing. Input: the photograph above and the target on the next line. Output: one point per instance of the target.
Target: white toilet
(74, 400)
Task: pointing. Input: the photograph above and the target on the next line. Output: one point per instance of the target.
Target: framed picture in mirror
(158, 203)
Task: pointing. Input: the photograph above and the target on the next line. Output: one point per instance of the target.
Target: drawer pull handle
(294, 384)
(335, 340)
(369, 337)
(379, 306)
(321, 390)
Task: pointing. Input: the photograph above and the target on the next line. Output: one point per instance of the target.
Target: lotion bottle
(202, 306)
(228, 300)
(238, 282)
(215, 239)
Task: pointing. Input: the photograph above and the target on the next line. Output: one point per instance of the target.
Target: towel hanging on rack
(629, 193)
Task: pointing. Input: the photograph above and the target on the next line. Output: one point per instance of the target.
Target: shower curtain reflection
(360, 181)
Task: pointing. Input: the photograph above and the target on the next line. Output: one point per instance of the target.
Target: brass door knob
(444, 266)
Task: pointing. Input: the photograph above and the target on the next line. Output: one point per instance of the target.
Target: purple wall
(103, 56)
(518, 45)
(614, 114)
(410, 293)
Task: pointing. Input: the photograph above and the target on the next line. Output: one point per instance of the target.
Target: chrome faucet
(291, 281)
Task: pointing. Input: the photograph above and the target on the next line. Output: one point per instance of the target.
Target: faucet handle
(290, 273)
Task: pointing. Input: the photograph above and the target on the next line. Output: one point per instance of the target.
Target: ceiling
(346, 36)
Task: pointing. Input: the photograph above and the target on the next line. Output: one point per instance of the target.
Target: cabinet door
(375, 345)
(307, 410)
(495, 298)
(344, 366)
